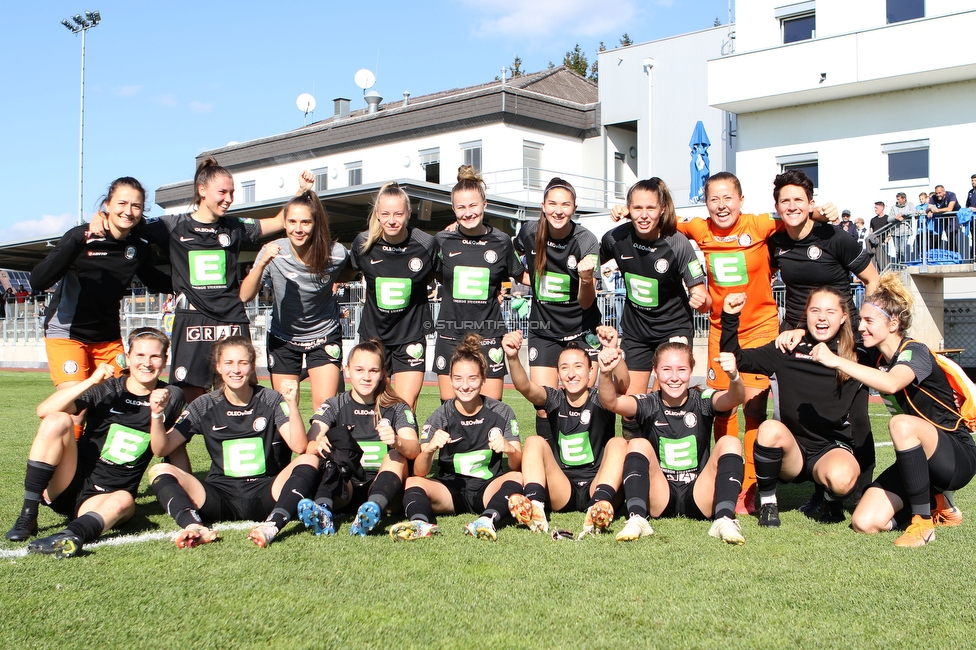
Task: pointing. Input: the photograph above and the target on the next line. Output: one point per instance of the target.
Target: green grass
(802, 585)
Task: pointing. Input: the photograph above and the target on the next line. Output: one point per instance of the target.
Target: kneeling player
(578, 466)
(668, 471)
(471, 433)
(95, 479)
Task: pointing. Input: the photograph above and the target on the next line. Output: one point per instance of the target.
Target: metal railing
(527, 183)
(921, 242)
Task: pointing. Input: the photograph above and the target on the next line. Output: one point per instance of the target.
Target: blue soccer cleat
(316, 516)
(366, 519)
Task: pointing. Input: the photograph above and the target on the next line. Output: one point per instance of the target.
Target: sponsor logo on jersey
(814, 252)
(243, 457)
(415, 264)
(260, 424)
(392, 293)
(678, 454)
(727, 239)
(471, 423)
(491, 256)
(136, 402)
(409, 416)
(363, 412)
(473, 463)
(552, 287)
(97, 253)
(208, 268)
(415, 350)
(124, 445)
(393, 249)
(69, 367)
(285, 409)
(729, 269)
(211, 332)
(575, 448)
(471, 283)
(130, 252)
(642, 291)
(641, 247)
(212, 231)
(373, 453)
(695, 268)
(240, 413)
(515, 427)
(905, 356)
(661, 266)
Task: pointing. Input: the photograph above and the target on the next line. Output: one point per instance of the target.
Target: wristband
(157, 416)
(737, 377)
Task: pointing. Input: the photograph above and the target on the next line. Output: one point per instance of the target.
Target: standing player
(475, 260)
(934, 450)
(669, 471)
(578, 468)
(250, 433)
(385, 429)
(470, 433)
(94, 480)
(301, 269)
(93, 272)
(396, 261)
(657, 264)
(560, 257)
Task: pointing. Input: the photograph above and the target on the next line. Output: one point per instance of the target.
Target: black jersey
(930, 381)
(581, 432)
(359, 420)
(243, 441)
(655, 274)
(204, 262)
(396, 275)
(681, 435)
(116, 438)
(825, 257)
(94, 272)
(473, 268)
(470, 455)
(556, 312)
(813, 406)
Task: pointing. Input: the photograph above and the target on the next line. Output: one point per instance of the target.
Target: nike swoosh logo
(563, 416)
(111, 410)
(660, 424)
(734, 480)
(375, 261)
(186, 238)
(216, 428)
(454, 254)
(626, 257)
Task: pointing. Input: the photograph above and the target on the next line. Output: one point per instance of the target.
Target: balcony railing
(924, 241)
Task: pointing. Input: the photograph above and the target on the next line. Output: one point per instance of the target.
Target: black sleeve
(152, 277)
(763, 360)
(53, 267)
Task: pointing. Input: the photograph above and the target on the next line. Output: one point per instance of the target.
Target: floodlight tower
(75, 24)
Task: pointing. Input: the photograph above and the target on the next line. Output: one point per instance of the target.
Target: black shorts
(358, 496)
(243, 500)
(812, 454)
(467, 493)
(682, 502)
(79, 490)
(639, 353)
(579, 496)
(193, 338)
(951, 467)
(491, 348)
(285, 357)
(404, 357)
(545, 352)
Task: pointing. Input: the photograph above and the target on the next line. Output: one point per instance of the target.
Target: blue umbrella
(699, 163)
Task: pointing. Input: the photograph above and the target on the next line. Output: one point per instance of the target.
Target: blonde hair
(469, 179)
(375, 228)
(893, 299)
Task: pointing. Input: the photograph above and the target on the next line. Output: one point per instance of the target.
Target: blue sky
(167, 80)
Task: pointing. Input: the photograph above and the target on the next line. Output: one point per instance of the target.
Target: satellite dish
(365, 79)
(306, 103)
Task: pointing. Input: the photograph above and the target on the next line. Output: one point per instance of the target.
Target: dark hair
(673, 346)
(470, 350)
(542, 235)
(320, 248)
(124, 181)
(206, 173)
(881, 203)
(147, 333)
(723, 176)
(669, 220)
(573, 346)
(845, 337)
(469, 179)
(384, 395)
(232, 342)
(792, 177)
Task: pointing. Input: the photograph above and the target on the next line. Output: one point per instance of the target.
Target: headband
(887, 315)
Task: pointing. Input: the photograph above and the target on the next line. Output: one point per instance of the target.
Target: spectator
(169, 305)
(942, 202)
(971, 197)
(21, 296)
(846, 224)
(862, 231)
(879, 221)
(903, 215)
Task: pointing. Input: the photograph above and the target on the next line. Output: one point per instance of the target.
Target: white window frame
(792, 160)
(321, 179)
(354, 173)
(247, 192)
(430, 156)
(468, 155)
(902, 147)
(619, 175)
(795, 11)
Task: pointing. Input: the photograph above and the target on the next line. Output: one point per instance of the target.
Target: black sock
(36, 479)
(416, 505)
(603, 492)
(948, 495)
(728, 484)
(175, 501)
(497, 507)
(300, 483)
(87, 527)
(535, 492)
(769, 462)
(542, 427)
(914, 470)
(386, 486)
(629, 428)
(637, 483)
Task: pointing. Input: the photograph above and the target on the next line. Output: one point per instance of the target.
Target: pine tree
(516, 67)
(595, 68)
(576, 61)
(717, 23)
(625, 40)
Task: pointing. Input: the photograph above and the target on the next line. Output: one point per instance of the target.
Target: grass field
(802, 585)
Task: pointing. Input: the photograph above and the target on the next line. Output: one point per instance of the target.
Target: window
(355, 173)
(798, 21)
(430, 162)
(247, 189)
(808, 163)
(472, 154)
(619, 183)
(531, 165)
(900, 10)
(321, 179)
(907, 160)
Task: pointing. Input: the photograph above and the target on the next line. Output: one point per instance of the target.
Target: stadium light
(91, 19)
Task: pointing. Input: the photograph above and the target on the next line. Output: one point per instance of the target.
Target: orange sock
(752, 428)
(79, 429)
(726, 424)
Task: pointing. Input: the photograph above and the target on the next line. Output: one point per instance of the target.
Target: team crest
(70, 367)
(494, 432)
(441, 363)
(814, 252)
(270, 361)
(120, 360)
(533, 354)
(571, 262)
(711, 374)
(415, 264)
(260, 423)
(661, 266)
(223, 239)
(180, 373)
(130, 252)
(690, 420)
(491, 256)
(585, 417)
(745, 240)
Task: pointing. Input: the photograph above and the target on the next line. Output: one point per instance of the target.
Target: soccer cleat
(814, 502)
(406, 531)
(769, 515)
(482, 528)
(945, 514)
(263, 534)
(195, 535)
(366, 519)
(60, 545)
(728, 530)
(598, 517)
(746, 503)
(24, 528)
(317, 517)
(919, 533)
(528, 513)
(635, 528)
(827, 512)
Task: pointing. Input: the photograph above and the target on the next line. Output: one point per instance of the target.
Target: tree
(516, 67)
(624, 40)
(595, 68)
(717, 23)
(576, 61)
